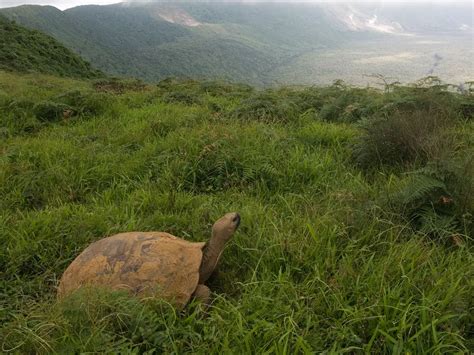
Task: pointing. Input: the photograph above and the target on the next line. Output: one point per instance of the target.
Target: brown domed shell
(143, 263)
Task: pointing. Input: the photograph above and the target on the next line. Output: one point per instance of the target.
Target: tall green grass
(325, 258)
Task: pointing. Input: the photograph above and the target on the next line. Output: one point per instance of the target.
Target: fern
(268, 170)
(419, 188)
(436, 225)
(249, 173)
(428, 198)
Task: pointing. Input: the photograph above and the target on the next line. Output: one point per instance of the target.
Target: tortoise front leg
(203, 294)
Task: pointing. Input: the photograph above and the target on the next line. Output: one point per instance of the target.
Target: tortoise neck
(210, 257)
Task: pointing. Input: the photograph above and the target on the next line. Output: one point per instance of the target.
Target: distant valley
(264, 43)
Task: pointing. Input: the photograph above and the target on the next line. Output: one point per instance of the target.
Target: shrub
(402, 138)
(182, 97)
(49, 111)
(84, 104)
(467, 108)
(427, 94)
(267, 107)
(118, 86)
(175, 82)
(350, 105)
(308, 99)
(17, 116)
(222, 88)
(18, 107)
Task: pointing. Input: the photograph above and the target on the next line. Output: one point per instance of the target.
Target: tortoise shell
(143, 263)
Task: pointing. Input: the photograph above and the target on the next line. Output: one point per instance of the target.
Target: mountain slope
(26, 50)
(153, 41)
(261, 43)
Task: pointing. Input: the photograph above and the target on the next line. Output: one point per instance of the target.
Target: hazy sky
(64, 4)
(60, 4)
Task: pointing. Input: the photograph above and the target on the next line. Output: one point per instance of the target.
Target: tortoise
(151, 264)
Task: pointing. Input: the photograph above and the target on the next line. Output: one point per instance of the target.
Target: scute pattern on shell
(143, 263)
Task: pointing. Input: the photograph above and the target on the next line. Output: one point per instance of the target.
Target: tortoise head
(222, 232)
(225, 227)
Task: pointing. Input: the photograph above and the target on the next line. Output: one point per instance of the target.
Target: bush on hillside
(349, 105)
(466, 107)
(16, 115)
(222, 88)
(182, 97)
(17, 108)
(307, 98)
(267, 107)
(83, 104)
(49, 111)
(118, 86)
(402, 138)
(428, 94)
(172, 82)
(415, 131)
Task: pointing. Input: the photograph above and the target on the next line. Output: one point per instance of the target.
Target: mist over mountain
(262, 43)
(414, 18)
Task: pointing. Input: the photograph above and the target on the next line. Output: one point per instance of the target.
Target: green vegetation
(355, 236)
(26, 50)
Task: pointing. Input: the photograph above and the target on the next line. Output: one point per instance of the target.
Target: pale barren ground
(403, 58)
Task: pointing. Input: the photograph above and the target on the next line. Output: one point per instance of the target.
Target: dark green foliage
(428, 94)
(415, 132)
(17, 115)
(48, 111)
(226, 89)
(410, 124)
(266, 106)
(83, 104)
(118, 86)
(182, 97)
(438, 199)
(18, 107)
(28, 116)
(402, 138)
(467, 109)
(26, 50)
(346, 104)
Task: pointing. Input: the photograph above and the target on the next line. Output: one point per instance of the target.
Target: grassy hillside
(356, 209)
(27, 50)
